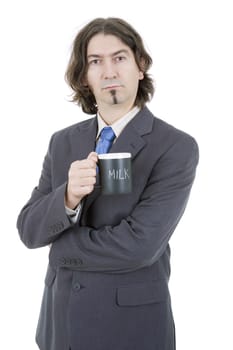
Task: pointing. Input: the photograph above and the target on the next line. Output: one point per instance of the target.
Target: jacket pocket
(143, 293)
(50, 276)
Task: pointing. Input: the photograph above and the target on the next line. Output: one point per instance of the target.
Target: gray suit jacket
(107, 281)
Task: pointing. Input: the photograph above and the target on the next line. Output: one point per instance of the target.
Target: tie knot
(107, 133)
(105, 141)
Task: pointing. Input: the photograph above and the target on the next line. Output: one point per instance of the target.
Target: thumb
(93, 156)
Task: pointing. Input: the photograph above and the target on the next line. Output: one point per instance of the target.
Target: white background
(191, 44)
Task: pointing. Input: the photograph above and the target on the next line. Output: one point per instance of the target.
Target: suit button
(77, 262)
(56, 228)
(76, 286)
(70, 261)
(63, 261)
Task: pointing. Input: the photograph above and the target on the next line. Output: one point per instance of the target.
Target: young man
(107, 281)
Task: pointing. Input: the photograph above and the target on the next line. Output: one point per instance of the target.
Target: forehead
(106, 44)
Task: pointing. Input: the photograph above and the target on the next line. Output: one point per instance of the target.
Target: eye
(120, 58)
(94, 61)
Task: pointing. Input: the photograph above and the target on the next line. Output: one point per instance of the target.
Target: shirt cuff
(74, 214)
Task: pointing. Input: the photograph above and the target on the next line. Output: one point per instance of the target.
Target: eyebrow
(112, 55)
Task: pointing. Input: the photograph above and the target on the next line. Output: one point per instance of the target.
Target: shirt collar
(120, 124)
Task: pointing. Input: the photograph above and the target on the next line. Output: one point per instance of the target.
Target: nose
(109, 70)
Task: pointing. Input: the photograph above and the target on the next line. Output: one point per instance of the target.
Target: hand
(81, 180)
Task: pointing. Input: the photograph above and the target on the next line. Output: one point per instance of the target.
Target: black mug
(115, 173)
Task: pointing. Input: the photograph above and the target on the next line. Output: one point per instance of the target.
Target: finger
(84, 190)
(88, 172)
(83, 164)
(85, 181)
(93, 156)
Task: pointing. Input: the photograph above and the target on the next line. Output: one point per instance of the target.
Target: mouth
(111, 87)
(111, 84)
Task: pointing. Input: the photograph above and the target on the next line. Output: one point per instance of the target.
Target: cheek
(134, 80)
(134, 74)
(90, 81)
(90, 77)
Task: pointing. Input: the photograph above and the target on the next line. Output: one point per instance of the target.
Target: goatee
(113, 93)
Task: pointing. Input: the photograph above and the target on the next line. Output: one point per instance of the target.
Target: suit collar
(143, 122)
(131, 140)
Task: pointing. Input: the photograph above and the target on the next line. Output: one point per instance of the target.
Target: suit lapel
(83, 139)
(131, 139)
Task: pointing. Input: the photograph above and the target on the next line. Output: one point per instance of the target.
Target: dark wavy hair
(77, 66)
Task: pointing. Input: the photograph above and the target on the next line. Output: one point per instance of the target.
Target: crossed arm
(137, 240)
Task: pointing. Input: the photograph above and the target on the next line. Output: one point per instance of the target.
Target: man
(107, 281)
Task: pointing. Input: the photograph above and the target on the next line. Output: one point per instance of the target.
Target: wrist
(72, 202)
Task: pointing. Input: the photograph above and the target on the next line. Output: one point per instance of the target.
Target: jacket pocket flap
(143, 293)
(50, 276)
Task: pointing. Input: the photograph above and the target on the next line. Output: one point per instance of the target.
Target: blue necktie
(105, 140)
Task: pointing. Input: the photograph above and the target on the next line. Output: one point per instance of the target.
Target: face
(112, 75)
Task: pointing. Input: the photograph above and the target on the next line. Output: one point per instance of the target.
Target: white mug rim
(121, 155)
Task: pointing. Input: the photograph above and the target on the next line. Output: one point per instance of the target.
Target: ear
(141, 69)
(141, 75)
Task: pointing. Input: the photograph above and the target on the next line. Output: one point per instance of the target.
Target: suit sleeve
(43, 219)
(142, 237)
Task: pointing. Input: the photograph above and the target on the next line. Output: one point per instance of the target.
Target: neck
(111, 114)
